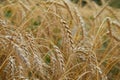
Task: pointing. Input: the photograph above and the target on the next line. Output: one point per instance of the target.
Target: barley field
(59, 40)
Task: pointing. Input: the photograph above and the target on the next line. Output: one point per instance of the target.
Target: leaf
(8, 13)
(47, 59)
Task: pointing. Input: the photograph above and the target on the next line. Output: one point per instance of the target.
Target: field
(59, 40)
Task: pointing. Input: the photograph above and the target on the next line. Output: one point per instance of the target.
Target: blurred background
(113, 3)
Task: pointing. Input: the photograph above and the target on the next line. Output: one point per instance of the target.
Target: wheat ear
(69, 34)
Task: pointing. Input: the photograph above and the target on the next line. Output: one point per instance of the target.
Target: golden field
(59, 40)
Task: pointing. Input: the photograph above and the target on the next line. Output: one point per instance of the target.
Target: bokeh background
(113, 3)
